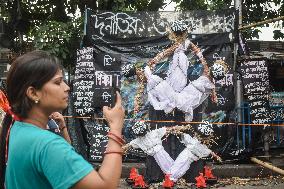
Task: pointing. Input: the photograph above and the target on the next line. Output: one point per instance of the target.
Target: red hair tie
(4, 104)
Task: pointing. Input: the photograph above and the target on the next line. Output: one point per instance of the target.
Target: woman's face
(54, 94)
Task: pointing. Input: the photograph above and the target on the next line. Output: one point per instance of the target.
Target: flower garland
(138, 97)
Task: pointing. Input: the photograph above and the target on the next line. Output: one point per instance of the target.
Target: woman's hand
(58, 117)
(115, 115)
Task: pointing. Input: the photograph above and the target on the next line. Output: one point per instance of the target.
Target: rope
(181, 122)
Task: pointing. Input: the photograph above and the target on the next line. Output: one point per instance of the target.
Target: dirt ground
(232, 183)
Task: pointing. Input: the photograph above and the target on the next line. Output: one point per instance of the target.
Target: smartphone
(52, 124)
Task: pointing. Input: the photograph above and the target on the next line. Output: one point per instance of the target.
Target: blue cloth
(38, 158)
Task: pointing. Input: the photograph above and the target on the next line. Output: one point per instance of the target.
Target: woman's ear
(32, 94)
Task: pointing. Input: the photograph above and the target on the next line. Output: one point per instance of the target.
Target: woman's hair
(31, 69)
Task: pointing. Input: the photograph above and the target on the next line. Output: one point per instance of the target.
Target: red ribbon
(5, 106)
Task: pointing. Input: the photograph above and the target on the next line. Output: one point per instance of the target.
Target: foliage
(252, 11)
(256, 11)
(278, 34)
(52, 25)
(58, 38)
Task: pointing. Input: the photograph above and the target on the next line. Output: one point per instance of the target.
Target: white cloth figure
(163, 97)
(151, 144)
(173, 92)
(194, 150)
(177, 72)
(182, 164)
(164, 160)
(193, 95)
(198, 149)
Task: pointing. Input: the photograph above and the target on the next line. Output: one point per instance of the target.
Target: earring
(36, 101)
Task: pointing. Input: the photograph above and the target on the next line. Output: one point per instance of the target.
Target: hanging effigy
(138, 37)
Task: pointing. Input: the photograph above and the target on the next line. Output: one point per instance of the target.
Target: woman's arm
(62, 125)
(65, 134)
(108, 175)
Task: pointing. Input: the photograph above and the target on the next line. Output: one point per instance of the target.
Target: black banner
(101, 25)
(255, 76)
(97, 75)
(107, 78)
(98, 138)
(259, 109)
(256, 86)
(137, 37)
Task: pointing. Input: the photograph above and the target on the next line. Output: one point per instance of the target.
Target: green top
(38, 158)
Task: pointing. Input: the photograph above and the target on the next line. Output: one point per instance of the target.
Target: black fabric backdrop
(137, 37)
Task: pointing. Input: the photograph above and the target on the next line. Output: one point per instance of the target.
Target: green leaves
(57, 38)
(251, 33)
(54, 27)
(277, 34)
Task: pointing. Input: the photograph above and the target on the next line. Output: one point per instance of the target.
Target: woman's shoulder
(48, 141)
(34, 133)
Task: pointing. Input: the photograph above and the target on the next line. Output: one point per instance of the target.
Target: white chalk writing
(110, 23)
(106, 96)
(108, 60)
(123, 24)
(84, 81)
(103, 79)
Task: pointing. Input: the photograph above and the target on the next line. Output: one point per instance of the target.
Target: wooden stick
(261, 23)
(267, 165)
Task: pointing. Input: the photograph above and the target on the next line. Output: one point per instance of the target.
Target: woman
(31, 156)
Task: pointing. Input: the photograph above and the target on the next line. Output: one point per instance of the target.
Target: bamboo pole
(237, 78)
(267, 165)
(261, 23)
